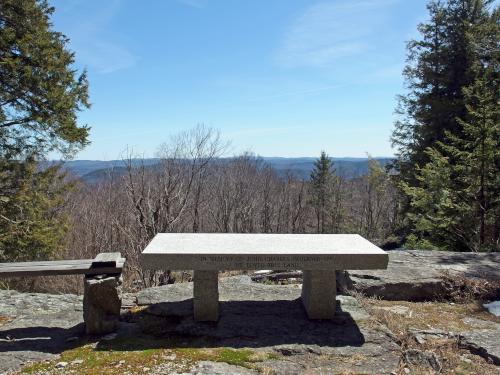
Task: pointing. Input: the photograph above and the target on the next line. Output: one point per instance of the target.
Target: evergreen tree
(457, 46)
(325, 195)
(40, 96)
(457, 203)
(439, 66)
(40, 91)
(32, 225)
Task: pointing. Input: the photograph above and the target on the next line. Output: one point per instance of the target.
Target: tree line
(193, 190)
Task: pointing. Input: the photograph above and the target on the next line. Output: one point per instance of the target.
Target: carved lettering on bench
(263, 261)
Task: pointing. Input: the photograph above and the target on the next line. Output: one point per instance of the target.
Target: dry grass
(71, 284)
(445, 316)
(231, 273)
(428, 316)
(462, 289)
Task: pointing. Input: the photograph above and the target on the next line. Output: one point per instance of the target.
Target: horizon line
(230, 157)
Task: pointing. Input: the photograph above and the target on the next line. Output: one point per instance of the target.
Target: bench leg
(102, 300)
(319, 293)
(206, 296)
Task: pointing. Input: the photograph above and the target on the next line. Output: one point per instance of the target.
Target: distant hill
(81, 168)
(302, 167)
(93, 171)
(103, 174)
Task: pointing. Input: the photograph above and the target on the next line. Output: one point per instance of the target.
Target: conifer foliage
(457, 204)
(41, 94)
(326, 195)
(448, 133)
(32, 225)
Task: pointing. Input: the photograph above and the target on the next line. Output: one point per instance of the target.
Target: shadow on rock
(251, 324)
(474, 265)
(40, 339)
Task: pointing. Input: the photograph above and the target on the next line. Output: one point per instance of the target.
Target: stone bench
(102, 285)
(318, 255)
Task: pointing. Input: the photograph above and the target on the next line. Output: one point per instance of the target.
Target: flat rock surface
(264, 318)
(417, 275)
(483, 340)
(36, 326)
(271, 318)
(219, 368)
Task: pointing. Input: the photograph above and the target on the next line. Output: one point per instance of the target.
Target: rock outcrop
(36, 326)
(272, 318)
(264, 318)
(484, 341)
(417, 275)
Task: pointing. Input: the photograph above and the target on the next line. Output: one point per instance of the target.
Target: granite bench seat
(318, 255)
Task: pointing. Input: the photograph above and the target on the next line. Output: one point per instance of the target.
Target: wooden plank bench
(97, 266)
(102, 285)
(318, 255)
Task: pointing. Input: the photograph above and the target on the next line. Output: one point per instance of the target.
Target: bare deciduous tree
(192, 189)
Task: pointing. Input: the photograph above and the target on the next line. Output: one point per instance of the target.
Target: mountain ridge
(92, 171)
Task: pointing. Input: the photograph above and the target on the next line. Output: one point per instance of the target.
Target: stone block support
(102, 300)
(206, 296)
(319, 293)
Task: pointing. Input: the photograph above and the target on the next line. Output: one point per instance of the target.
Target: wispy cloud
(86, 23)
(106, 57)
(295, 93)
(389, 72)
(192, 3)
(328, 31)
(260, 131)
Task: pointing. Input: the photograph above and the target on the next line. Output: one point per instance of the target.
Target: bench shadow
(52, 340)
(242, 324)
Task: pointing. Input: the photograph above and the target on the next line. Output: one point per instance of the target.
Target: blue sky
(276, 77)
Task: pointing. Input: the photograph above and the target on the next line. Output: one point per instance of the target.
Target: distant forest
(95, 171)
